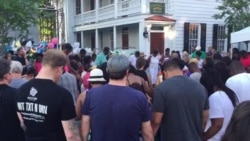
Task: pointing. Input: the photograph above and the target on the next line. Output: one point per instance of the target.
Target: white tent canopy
(241, 36)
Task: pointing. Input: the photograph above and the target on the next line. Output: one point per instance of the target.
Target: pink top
(38, 66)
(85, 80)
(66, 68)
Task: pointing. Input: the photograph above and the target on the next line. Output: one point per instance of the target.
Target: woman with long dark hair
(238, 128)
(222, 102)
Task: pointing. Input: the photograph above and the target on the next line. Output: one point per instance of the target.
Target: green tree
(47, 24)
(16, 15)
(235, 12)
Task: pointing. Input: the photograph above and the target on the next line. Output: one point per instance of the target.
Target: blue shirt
(100, 59)
(17, 83)
(116, 113)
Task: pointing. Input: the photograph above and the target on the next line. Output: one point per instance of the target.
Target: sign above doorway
(157, 8)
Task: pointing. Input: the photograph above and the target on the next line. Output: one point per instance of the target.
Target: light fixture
(145, 33)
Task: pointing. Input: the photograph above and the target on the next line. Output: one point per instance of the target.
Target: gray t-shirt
(69, 82)
(182, 102)
(196, 76)
(17, 83)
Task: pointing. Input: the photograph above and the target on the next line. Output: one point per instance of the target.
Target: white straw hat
(96, 75)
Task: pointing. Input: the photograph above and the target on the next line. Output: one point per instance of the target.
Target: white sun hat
(96, 75)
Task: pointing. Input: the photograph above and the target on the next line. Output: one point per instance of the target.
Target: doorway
(157, 42)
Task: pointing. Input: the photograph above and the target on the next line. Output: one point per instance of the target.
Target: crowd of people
(170, 96)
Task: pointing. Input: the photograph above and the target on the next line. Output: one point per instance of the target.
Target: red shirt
(245, 61)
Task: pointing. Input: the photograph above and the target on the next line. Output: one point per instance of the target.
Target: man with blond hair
(46, 111)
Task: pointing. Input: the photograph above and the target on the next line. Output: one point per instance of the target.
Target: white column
(96, 9)
(97, 41)
(69, 21)
(142, 40)
(114, 37)
(82, 39)
(116, 8)
(143, 6)
(82, 6)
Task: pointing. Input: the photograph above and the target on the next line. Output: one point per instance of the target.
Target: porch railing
(89, 17)
(106, 12)
(128, 7)
(86, 17)
(122, 7)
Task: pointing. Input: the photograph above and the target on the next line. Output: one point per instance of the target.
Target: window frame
(221, 30)
(194, 38)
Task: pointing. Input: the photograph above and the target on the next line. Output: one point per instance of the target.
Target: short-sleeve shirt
(43, 105)
(69, 82)
(21, 60)
(196, 76)
(182, 101)
(100, 59)
(17, 83)
(239, 83)
(220, 107)
(116, 113)
(10, 129)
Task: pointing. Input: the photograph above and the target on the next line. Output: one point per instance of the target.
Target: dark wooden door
(157, 42)
(92, 41)
(125, 38)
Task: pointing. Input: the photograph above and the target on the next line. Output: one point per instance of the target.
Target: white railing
(106, 12)
(128, 7)
(157, 1)
(89, 17)
(78, 19)
(123, 7)
(86, 17)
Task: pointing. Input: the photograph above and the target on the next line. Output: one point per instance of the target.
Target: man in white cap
(203, 54)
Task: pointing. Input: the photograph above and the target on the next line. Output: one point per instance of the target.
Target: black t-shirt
(21, 60)
(43, 105)
(142, 74)
(103, 67)
(182, 102)
(10, 129)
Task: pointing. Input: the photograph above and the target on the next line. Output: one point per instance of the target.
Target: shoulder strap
(128, 81)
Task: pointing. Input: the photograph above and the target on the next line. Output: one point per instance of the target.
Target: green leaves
(235, 12)
(16, 15)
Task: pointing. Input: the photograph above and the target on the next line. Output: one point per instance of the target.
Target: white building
(144, 25)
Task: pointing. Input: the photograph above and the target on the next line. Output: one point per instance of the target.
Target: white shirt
(132, 60)
(200, 64)
(240, 84)
(220, 107)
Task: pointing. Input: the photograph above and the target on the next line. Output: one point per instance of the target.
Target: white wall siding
(171, 7)
(195, 11)
(133, 31)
